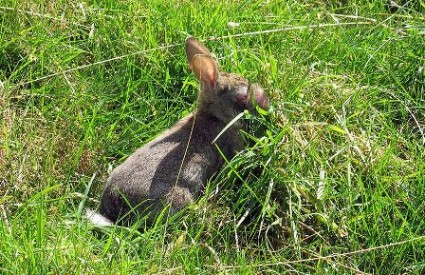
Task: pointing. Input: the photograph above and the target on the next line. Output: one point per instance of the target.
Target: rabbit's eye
(242, 95)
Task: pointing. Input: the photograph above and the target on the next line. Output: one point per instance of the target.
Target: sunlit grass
(332, 180)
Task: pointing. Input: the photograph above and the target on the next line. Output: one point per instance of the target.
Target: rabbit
(172, 169)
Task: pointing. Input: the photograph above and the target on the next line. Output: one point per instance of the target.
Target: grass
(333, 180)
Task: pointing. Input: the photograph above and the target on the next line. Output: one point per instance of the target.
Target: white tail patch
(98, 220)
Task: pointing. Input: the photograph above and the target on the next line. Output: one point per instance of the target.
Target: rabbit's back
(170, 170)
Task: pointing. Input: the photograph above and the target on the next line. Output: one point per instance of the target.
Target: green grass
(333, 184)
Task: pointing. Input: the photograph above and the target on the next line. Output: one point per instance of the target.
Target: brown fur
(172, 169)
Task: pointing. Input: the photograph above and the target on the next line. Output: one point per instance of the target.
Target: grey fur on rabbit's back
(172, 169)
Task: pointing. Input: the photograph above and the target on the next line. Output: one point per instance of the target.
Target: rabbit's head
(223, 95)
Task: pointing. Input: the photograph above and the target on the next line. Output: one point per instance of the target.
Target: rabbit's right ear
(201, 62)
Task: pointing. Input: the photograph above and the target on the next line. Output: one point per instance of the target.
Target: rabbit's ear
(201, 62)
(194, 47)
(205, 69)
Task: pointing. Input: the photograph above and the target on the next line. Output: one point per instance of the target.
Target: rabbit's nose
(260, 97)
